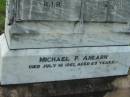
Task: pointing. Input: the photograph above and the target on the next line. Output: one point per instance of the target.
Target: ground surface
(99, 87)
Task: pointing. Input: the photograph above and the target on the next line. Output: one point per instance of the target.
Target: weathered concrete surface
(74, 30)
(71, 10)
(64, 10)
(107, 10)
(45, 65)
(58, 34)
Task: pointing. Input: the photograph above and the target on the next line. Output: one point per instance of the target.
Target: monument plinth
(54, 40)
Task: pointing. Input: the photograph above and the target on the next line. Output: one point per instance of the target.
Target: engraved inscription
(67, 10)
(52, 4)
(72, 61)
(74, 10)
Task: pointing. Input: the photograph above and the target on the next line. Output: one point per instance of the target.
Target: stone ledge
(92, 62)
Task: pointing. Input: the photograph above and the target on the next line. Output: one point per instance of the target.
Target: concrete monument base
(56, 64)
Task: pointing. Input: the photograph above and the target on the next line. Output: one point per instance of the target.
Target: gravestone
(67, 23)
(54, 40)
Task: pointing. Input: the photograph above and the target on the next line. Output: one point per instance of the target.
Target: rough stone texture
(64, 10)
(107, 10)
(67, 31)
(58, 34)
(95, 10)
(119, 10)
(98, 87)
(73, 10)
(119, 93)
(122, 88)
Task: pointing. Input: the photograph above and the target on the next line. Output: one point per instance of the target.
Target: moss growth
(2, 23)
(2, 15)
(2, 6)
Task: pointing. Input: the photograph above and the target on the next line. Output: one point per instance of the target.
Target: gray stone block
(119, 11)
(95, 10)
(70, 10)
(107, 10)
(58, 34)
(56, 64)
(34, 24)
(63, 10)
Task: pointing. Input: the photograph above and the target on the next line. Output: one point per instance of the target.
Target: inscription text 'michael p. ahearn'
(72, 61)
(75, 58)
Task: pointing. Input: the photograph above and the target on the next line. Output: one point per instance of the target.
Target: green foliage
(2, 14)
(2, 24)
(2, 6)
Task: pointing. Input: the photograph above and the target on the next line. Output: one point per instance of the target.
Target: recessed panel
(107, 10)
(64, 10)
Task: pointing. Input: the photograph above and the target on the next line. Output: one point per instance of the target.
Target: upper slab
(67, 23)
(72, 10)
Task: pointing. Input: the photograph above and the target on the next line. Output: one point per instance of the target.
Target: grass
(2, 15)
